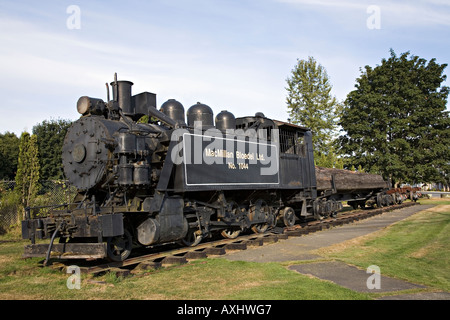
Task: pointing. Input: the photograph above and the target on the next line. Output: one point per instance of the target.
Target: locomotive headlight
(83, 105)
(87, 105)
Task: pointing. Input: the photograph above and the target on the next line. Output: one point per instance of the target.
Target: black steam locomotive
(165, 180)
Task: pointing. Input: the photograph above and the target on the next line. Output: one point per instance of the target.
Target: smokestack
(122, 95)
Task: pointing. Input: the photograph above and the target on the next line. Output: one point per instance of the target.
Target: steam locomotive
(170, 180)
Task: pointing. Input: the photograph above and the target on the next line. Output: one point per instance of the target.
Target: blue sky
(230, 55)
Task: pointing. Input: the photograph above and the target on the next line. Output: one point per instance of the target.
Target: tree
(330, 160)
(50, 139)
(28, 169)
(311, 104)
(396, 121)
(9, 151)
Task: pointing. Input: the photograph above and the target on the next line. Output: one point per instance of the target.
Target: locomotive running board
(66, 250)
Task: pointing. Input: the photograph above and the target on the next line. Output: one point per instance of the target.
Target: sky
(232, 55)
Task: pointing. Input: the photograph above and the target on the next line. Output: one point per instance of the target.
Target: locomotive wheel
(317, 209)
(288, 216)
(192, 238)
(398, 198)
(232, 233)
(119, 248)
(380, 202)
(261, 211)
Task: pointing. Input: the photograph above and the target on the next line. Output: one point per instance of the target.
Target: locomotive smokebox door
(79, 153)
(87, 151)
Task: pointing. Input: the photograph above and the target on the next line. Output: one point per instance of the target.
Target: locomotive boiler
(181, 179)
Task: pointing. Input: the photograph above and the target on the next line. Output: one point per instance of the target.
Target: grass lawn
(217, 279)
(416, 249)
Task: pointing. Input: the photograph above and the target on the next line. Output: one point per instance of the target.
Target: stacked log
(347, 181)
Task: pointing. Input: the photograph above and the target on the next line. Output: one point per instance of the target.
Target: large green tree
(311, 104)
(396, 121)
(9, 151)
(50, 138)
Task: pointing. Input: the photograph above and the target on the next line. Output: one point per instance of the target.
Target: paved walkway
(299, 248)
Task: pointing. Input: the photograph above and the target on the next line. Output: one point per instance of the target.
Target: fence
(50, 193)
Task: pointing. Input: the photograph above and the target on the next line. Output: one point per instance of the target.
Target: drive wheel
(261, 211)
(232, 233)
(118, 248)
(192, 238)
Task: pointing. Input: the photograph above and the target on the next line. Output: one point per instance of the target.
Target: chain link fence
(50, 193)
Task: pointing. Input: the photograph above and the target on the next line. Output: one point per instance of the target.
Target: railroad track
(171, 254)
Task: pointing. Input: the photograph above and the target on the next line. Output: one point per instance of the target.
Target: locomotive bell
(174, 110)
(225, 120)
(200, 112)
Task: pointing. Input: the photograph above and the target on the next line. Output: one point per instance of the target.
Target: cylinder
(122, 94)
(225, 120)
(140, 146)
(174, 110)
(200, 113)
(125, 174)
(126, 143)
(140, 174)
(148, 232)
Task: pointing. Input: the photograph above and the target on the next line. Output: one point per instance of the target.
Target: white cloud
(393, 13)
